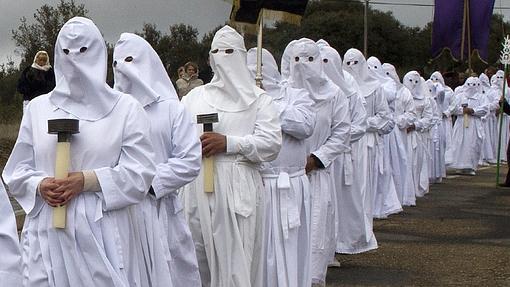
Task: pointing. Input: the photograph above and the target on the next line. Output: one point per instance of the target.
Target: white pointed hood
(356, 65)
(485, 82)
(497, 79)
(271, 78)
(391, 72)
(80, 72)
(472, 87)
(285, 62)
(306, 71)
(232, 89)
(138, 71)
(375, 67)
(415, 83)
(436, 77)
(332, 63)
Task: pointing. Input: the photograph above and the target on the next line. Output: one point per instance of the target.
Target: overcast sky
(116, 16)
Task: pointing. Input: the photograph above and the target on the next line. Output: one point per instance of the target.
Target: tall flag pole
(505, 60)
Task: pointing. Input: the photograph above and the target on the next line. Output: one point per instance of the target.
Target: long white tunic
(420, 147)
(437, 167)
(227, 225)
(467, 141)
(330, 139)
(178, 161)
(379, 122)
(10, 261)
(386, 200)
(288, 198)
(98, 245)
(354, 226)
(400, 146)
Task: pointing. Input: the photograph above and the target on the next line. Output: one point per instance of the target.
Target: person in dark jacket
(37, 79)
(506, 110)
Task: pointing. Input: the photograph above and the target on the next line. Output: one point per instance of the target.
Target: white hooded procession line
(168, 249)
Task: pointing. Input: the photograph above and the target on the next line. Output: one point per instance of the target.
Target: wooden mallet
(64, 129)
(208, 162)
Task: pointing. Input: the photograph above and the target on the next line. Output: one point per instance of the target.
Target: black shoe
(504, 185)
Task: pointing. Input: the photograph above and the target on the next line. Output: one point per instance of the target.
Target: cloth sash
(289, 209)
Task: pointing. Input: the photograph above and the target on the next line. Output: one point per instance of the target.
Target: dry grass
(9, 131)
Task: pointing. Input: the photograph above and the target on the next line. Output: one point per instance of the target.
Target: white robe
(492, 126)
(227, 225)
(98, 247)
(10, 261)
(287, 192)
(354, 226)
(437, 167)
(420, 148)
(405, 116)
(330, 139)
(467, 141)
(386, 200)
(178, 161)
(379, 122)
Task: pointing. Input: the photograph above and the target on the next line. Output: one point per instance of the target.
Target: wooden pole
(365, 30)
(258, 76)
(468, 24)
(463, 38)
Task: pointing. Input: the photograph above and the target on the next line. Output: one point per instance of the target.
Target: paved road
(457, 235)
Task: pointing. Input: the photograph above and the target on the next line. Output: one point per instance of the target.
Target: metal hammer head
(64, 128)
(207, 120)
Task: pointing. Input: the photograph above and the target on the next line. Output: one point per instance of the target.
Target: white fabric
(178, 160)
(100, 233)
(354, 231)
(80, 74)
(287, 231)
(436, 160)
(228, 225)
(497, 81)
(330, 139)
(232, 89)
(391, 72)
(489, 120)
(356, 64)
(423, 123)
(10, 261)
(466, 147)
(285, 61)
(386, 200)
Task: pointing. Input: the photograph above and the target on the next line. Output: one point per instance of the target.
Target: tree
(42, 34)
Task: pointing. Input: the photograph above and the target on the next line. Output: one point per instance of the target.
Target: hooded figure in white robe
(401, 144)
(330, 139)
(287, 188)
(468, 132)
(490, 121)
(437, 143)
(446, 104)
(386, 201)
(98, 246)
(379, 121)
(497, 82)
(10, 261)
(354, 228)
(139, 72)
(420, 128)
(227, 225)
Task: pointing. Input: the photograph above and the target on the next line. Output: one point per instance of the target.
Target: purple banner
(447, 28)
(480, 22)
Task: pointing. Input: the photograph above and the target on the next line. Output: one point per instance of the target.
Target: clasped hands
(58, 192)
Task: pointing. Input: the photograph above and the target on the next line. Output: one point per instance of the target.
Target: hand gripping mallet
(208, 162)
(466, 116)
(63, 128)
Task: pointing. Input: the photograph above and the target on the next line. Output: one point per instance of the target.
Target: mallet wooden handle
(62, 162)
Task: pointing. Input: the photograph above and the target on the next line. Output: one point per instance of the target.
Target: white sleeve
(382, 121)
(358, 117)
(184, 163)
(10, 261)
(340, 137)
(406, 119)
(20, 172)
(265, 142)
(425, 122)
(297, 115)
(128, 182)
